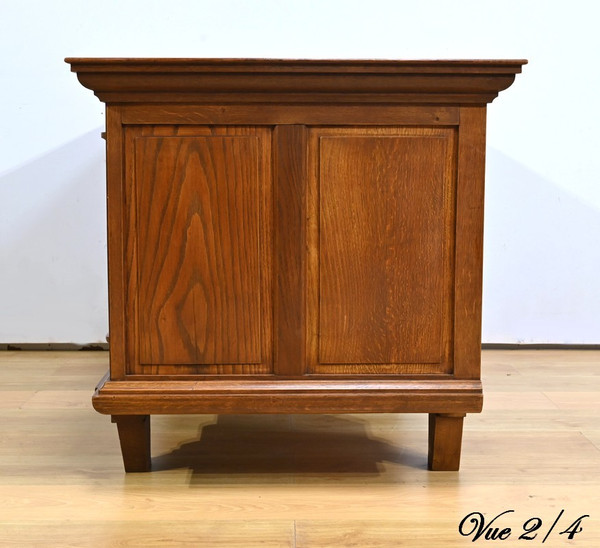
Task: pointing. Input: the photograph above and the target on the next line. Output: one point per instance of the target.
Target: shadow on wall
(541, 259)
(53, 282)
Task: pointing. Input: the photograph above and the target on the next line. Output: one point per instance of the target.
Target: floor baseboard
(104, 346)
(53, 346)
(550, 346)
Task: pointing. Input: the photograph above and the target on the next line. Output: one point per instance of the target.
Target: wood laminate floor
(300, 481)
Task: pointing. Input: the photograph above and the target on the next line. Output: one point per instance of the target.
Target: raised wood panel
(198, 232)
(201, 208)
(381, 239)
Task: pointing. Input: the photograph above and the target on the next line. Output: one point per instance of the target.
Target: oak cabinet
(294, 237)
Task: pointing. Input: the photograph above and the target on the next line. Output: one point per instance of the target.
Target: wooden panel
(117, 260)
(292, 114)
(469, 242)
(384, 250)
(289, 307)
(202, 240)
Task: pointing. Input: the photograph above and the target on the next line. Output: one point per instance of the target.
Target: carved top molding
(243, 81)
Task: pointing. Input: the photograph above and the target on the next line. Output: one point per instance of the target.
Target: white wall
(542, 252)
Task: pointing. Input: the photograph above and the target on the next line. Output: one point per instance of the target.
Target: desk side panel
(199, 219)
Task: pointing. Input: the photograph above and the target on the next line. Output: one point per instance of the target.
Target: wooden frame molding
(294, 81)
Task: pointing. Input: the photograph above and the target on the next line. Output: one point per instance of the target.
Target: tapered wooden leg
(445, 440)
(134, 435)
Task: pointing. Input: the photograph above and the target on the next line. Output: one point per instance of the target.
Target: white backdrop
(542, 241)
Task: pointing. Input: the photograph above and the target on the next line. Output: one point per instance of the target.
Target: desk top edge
(153, 64)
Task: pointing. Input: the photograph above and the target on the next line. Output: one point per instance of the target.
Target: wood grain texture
(469, 242)
(217, 533)
(445, 441)
(118, 261)
(296, 480)
(290, 236)
(199, 264)
(280, 221)
(273, 113)
(201, 287)
(248, 81)
(384, 203)
(134, 438)
(281, 396)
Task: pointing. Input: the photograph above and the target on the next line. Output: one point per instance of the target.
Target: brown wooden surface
(200, 230)
(274, 221)
(295, 81)
(273, 113)
(119, 262)
(383, 238)
(134, 437)
(445, 441)
(280, 396)
(290, 264)
(198, 204)
(303, 481)
(166, 65)
(469, 243)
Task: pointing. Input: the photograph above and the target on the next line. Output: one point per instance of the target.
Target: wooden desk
(294, 237)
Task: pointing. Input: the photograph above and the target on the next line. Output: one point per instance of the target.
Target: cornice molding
(243, 81)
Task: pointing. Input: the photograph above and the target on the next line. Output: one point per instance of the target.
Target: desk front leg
(445, 440)
(134, 436)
